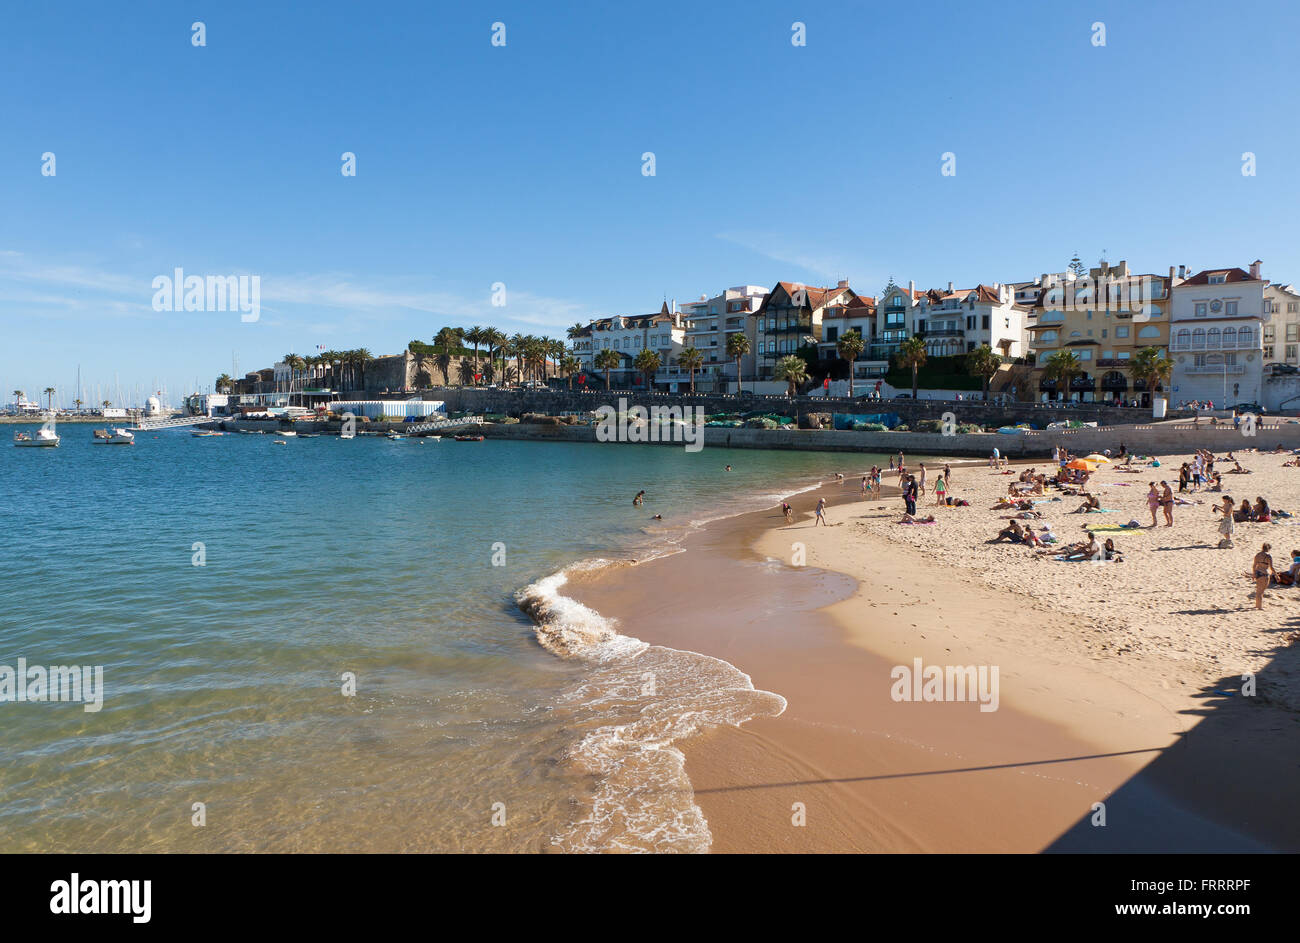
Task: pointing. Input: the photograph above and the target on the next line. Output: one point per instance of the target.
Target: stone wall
(554, 402)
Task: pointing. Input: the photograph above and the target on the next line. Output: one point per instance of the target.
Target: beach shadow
(1188, 547)
(1217, 788)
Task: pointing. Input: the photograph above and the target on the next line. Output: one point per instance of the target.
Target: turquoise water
(223, 682)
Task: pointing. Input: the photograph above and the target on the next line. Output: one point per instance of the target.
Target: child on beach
(820, 512)
(786, 510)
(940, 490)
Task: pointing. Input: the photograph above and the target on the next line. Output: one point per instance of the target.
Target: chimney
(843, 283)
(1254, 269)
(1182, 271)
(1171, 275)
(950, 288)
(911, 289)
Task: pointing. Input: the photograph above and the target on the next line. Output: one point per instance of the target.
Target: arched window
(1212, 339)
(1048, 337)
(1184, 338)
(1245, 337)
(1229, 337)
(1151, 331)
(1198, 339)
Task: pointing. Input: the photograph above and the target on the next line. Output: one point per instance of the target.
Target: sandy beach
(1120, 683)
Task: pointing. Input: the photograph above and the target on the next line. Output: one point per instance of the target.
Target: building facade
(1217, 336)
(789, 318)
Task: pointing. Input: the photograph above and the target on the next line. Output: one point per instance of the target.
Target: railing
(1217, 369)
(1193, 345)
(438, 425)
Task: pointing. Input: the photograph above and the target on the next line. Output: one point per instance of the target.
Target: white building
(961, 319)
(628, 335)
(1282, 329)
(1216, 336)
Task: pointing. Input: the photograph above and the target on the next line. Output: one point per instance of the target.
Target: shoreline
(1093, 732)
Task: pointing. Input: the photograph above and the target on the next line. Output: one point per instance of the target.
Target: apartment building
(957, 321)
(859, 314)
(790, 317)
(1104, 319)
(628, 334)
(1281, 326)
(1217, 336)
(708, 323)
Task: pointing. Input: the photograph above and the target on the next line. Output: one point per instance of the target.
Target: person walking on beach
(1167, 502)
(820, 512)
(786, 511)
(1262, 568)
(891, 463)
(940, 490)
(640, 497)
(1227, 526)
(1153, 502)
(947, 474)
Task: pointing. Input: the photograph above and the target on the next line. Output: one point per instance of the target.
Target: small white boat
(435, 438)
(204, 433)
(288, 433)
(395, 436)
(42, 438)
(114, 436)
(279, 442)
(347, 435)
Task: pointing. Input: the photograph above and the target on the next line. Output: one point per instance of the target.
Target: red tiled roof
(1232, 275)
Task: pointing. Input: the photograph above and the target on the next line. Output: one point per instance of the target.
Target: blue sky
(522, 164)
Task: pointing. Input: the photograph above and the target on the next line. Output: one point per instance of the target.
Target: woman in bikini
(1167, 502)
(1262, 568)
(1153, 502)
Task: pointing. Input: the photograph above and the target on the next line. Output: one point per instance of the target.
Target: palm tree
(793, 370)
(569, 365)
(575, 330)
(18, 397)
(608, 360)
(443, 342)
(983, 362)
(492, 339)
(77, 403)
(557, 350)
(690, 358)
(223, 383)
(107, 403)
(1063, 366)
(1150, 367)
(648, 362)
(475, 336)
(850, 345)
(362, 357)
(911, 353)
(517, 347)
(49, 397)
(737, 347)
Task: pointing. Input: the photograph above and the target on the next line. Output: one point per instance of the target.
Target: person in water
(639, 499)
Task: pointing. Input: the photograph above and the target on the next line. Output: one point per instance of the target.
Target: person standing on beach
(640, 497)
(1227, 526)
(920, 484)
(909, 494)
(786, 510)
(891, 463)
(940, 490)
(947, 474)
(1167, 502)
(820, 512)
(1153, 502)
(866, 485)
(1262, 568)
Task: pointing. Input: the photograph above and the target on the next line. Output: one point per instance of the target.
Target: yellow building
(1104, 319)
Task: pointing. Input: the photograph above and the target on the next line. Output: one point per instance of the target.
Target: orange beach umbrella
(1080, 464)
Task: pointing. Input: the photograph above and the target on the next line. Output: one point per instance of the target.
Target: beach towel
(1106, 528)
(1065, 559)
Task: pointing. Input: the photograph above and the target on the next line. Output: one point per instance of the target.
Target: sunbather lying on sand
(1238, 470)
(909, 519)
(1092, 504)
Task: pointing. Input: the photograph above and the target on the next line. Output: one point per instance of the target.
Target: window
(1048, 337)
(832, 333)
(1151, 331)
(1290, 332)
(1290, 351)
(1292, 307)
(1218, 279)
(1229, 337)
(1268, 333)
(1212, 338)
(1198, 339)
(986, 322)
(1268, 353)
(1125, 354)
(1245, 337)
(1199, 311)
(1121, 331)
(1230, 307)
(1085, 355)
(1103, 332)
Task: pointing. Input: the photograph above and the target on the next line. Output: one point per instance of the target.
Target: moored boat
(469, 438)
(114, 436)
(41, 438)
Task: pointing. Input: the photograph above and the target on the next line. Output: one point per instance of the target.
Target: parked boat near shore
(114, 436)
(42, 438)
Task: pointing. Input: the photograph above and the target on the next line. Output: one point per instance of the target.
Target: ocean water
(491, 712)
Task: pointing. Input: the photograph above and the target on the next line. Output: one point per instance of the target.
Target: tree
(443, 342)
(648, 362)
(575, 330)
(475, 336)
(1077, 267)
(850, 345)
(492, 339)
(1063, 366)
(569, 365)
(224, 383)
(608, 360)
(107, 403)
(983, 362)
(911, 353)
(49, 397)
(1151, 368)
(518, 347)
(362, 357)
(793, 370)
(18, 397)
(737, 347)
(691, 359)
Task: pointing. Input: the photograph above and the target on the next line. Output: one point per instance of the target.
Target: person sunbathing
(910, 519)
(1083, 551)
(1236, 469)
(1110, 552)
(1014, 533)
(1092, 504)
(1261, 512)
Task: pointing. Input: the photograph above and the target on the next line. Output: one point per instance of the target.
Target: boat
(394, 436)
(204, 433)
(435, 438)
(469, 438)
(279, 442)
(287, 433)
(347, 435)
(41, 438)
(114, 436)
(309, 435)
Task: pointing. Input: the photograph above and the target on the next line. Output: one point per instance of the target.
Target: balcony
(1201, 344)
(1216, 370)
(946, 332)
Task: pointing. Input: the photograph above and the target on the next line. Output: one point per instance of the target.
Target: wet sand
(847, 768)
